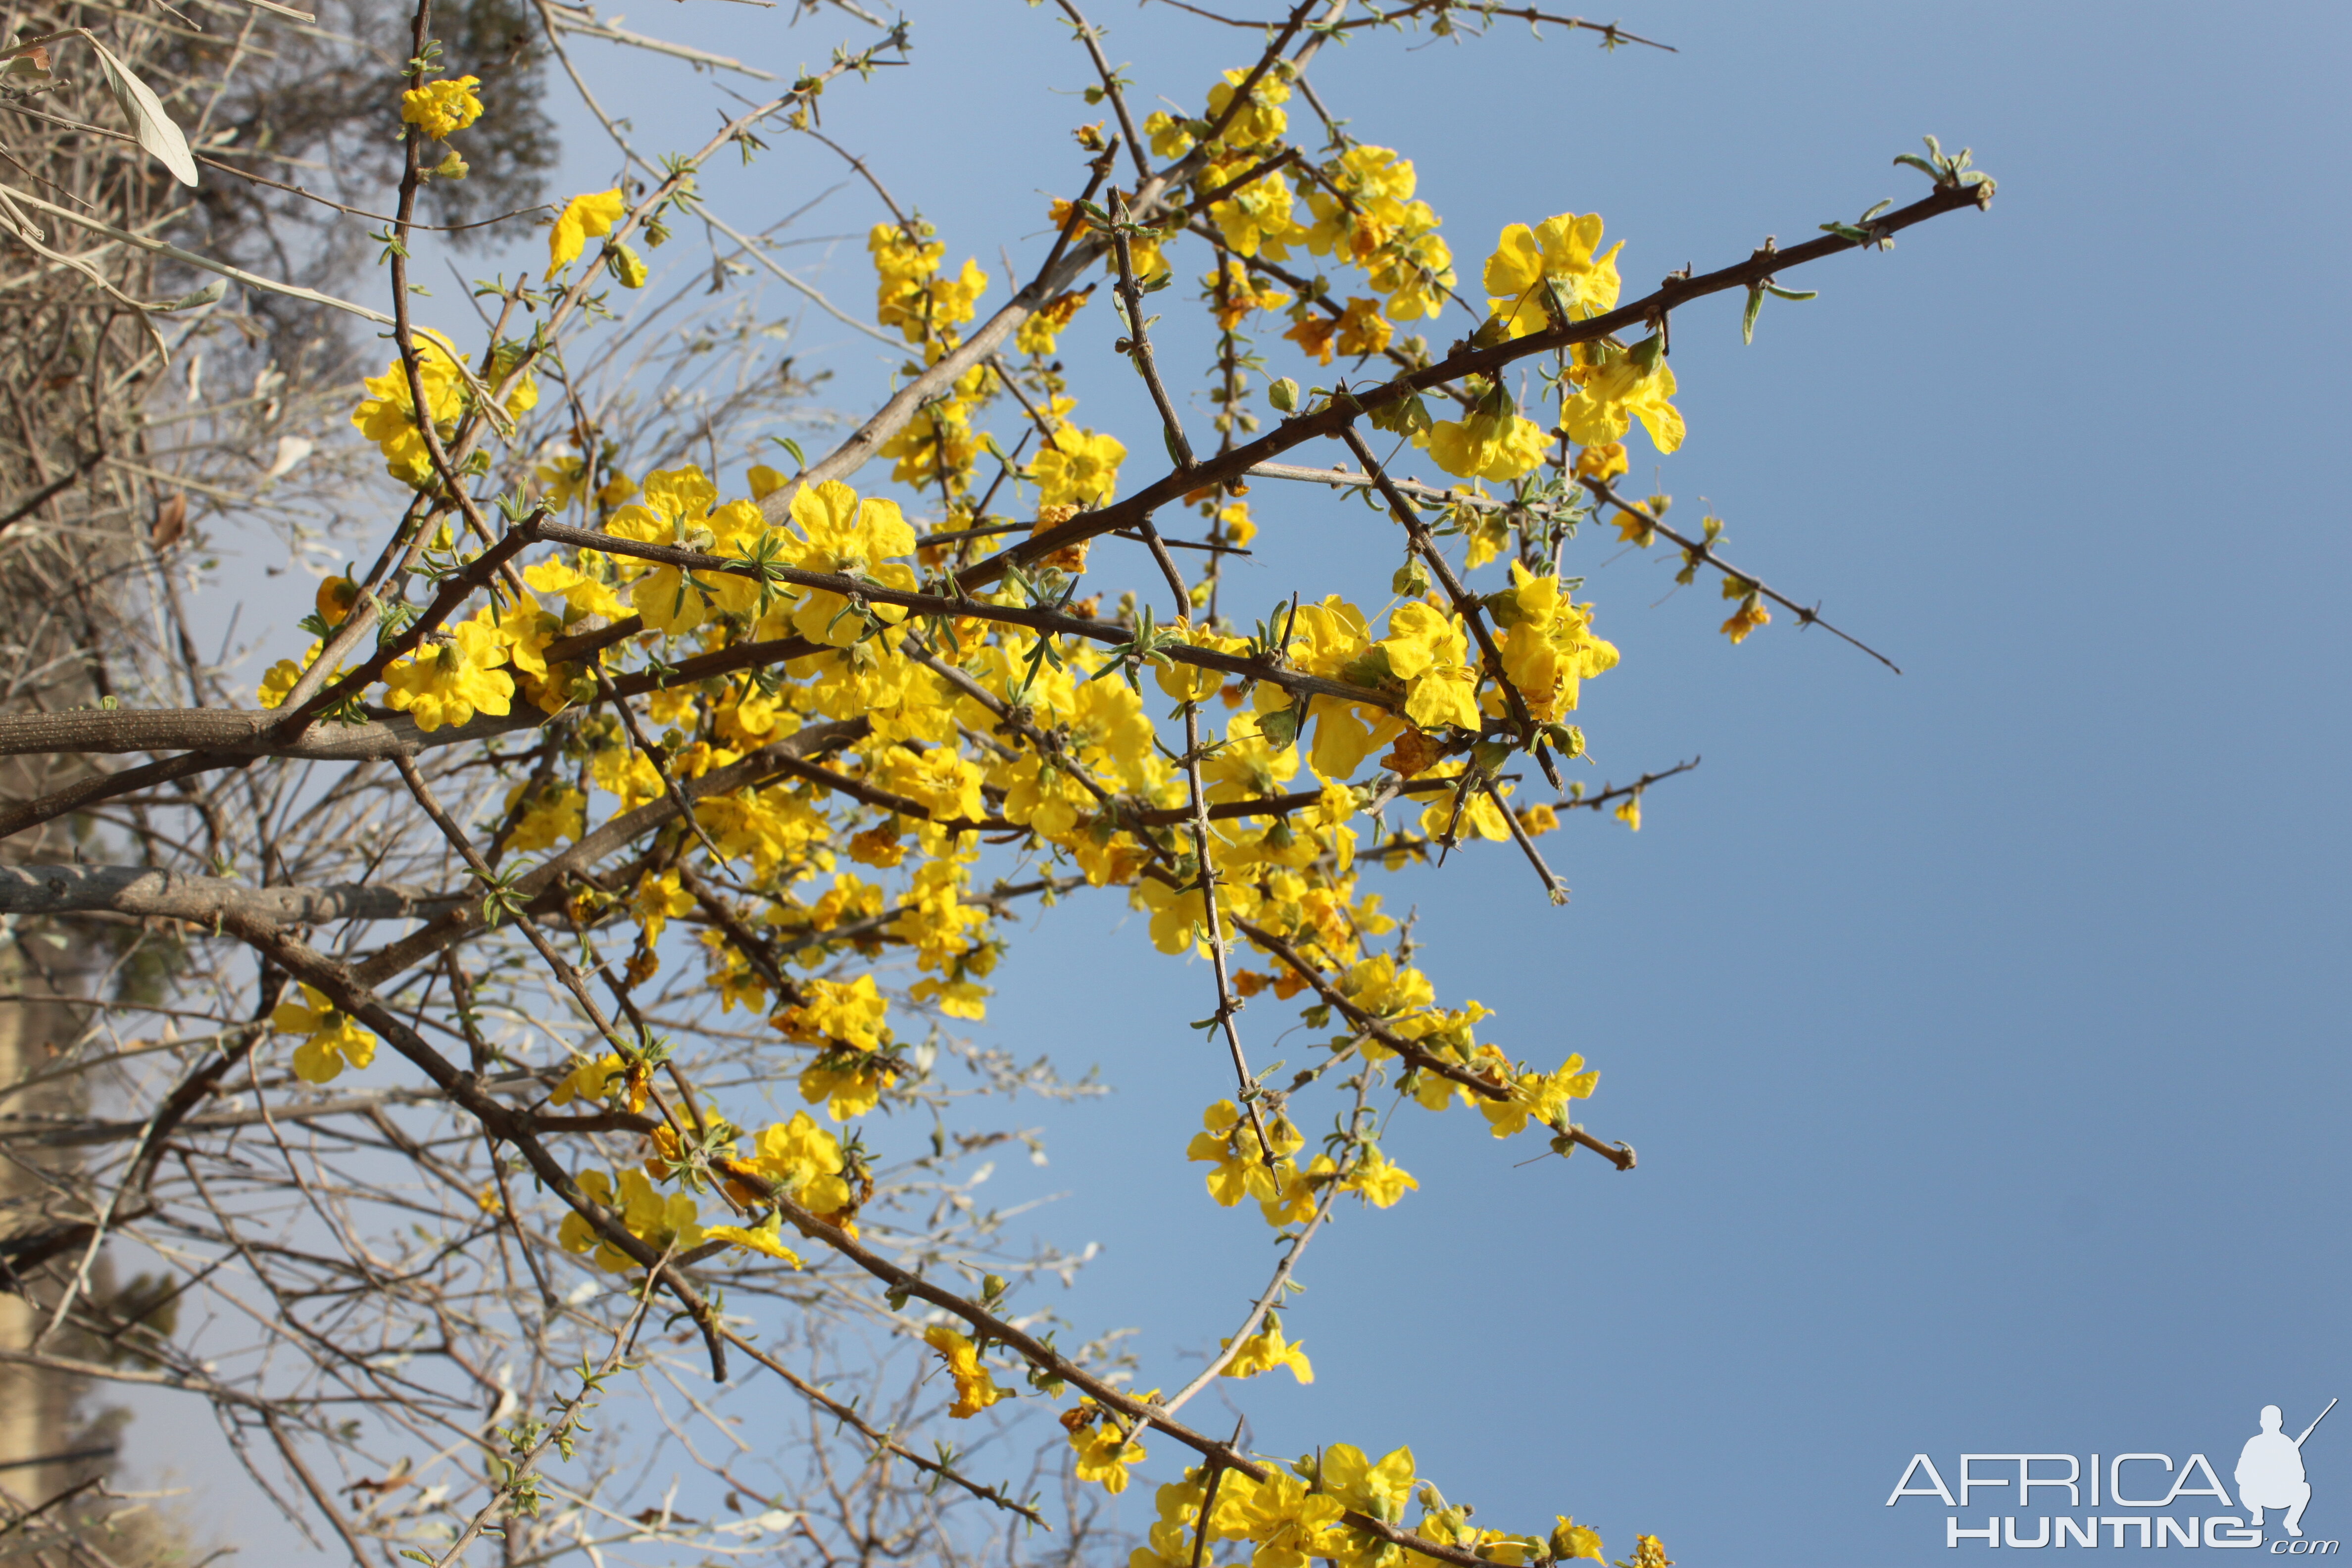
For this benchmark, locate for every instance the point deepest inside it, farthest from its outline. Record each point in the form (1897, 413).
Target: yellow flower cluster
(975, 1389)
(913, 296)
(1367, 218)
(387, 415)
(441, 109)
(661, 1222)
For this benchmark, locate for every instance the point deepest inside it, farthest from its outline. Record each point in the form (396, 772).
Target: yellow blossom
(1750, 614)
(806, 1162)
(1266, 1350)
(1236, 293)
(850, 1014)
(766, 1238)
(588, 1080)
(1493, 443)
(1361, 330)
(1289, 1523)
(1540, 1097)
(657, 899)
(336, 1040)
(1301, 1192)
(449, 684)
(1550, 267)
(1618, 387)
(555, 813)
(850, 1083)
(1080, 467)
(585, 216)
(1259, 121)
(1037, 333)
(844, 536)
(441, 108)
(1231, 1146)
(1377, 1181)
(975, 1389)
(1104, 1452)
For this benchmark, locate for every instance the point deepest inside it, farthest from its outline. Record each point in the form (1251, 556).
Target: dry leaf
(291, 450)
(157, 132)
(171, 520)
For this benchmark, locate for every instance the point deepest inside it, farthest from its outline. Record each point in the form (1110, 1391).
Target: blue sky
(1974, 1025)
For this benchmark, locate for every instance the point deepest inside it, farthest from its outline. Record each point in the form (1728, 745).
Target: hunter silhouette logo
(2270, 1471)
(2269, 1478)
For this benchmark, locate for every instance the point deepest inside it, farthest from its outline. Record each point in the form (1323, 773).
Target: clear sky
(1977, 1026)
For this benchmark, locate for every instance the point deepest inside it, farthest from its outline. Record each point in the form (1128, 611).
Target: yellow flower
(1037, 333)
(336, 1041)
(766, 1238)
(587, 587)
(911, 296)
(975, 1389)
(660, 1222)
(1378, 1490)
(1237, 294)
(1569, 1539)
(593, 214)
(280, 679)
(1603, 461)
(1377, 1181)
(555, 813)
(1361, 330)
(1746, 619)
(657, 899)
(1080, 468)
(589, 1079)
(1289, 1523)
(1548, 648)
(1260, 120)
(450, 683)
(1104, 1453)
(1554, 261)
(1265, 1350)
(1231, 1146)
(388, 416)
(440, 108)
(841, 535)
(1618, 387)
(1540, 1097)
(1169, 137)
(1301, 1191)
(277, 681)
(1426, 648)
(835, 1013)
(1313, 333)
(334, 599)
(1494, 443)
(1260, 218)
(680, 508)
(849, 1084)
(1630, 813)
(804, 1160)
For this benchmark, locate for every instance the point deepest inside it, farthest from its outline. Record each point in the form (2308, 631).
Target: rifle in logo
(2270, 1471)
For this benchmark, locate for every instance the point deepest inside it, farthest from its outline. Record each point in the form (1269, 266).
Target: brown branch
(1695, 551)
(146, 892)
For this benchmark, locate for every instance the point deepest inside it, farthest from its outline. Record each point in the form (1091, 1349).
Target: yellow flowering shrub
(742, 750)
